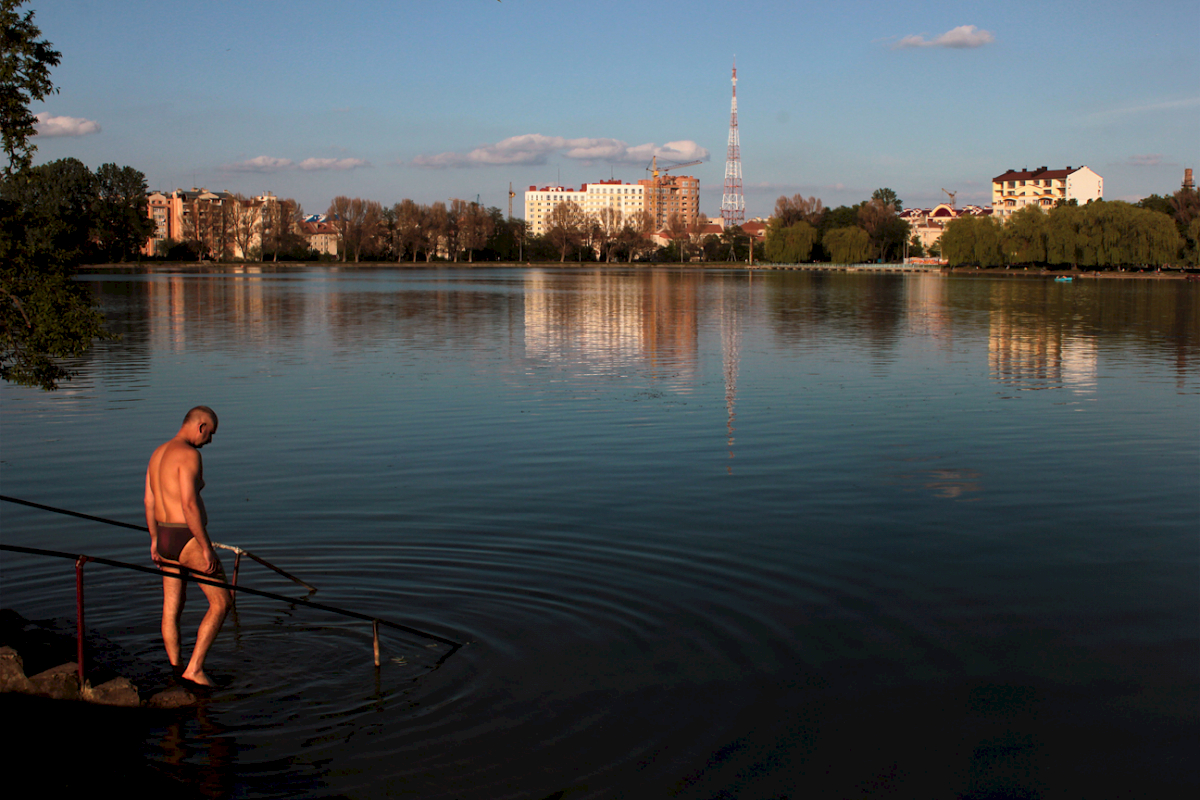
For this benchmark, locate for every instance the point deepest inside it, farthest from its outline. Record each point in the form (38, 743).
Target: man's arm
(190, 476)
(152, 520)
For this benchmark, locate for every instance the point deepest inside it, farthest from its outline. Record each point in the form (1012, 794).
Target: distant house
(1043, 187)
(928, 224)
(322, 236)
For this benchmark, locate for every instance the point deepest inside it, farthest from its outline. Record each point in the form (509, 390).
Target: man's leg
(219, 602)
(174, 596)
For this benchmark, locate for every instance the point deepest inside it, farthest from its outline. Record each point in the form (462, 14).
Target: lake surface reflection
(708, 534)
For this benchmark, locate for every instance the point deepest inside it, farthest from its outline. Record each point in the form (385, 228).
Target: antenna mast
(733, 202)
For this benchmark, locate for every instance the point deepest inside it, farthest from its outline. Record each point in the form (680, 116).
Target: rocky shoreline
(38, 658)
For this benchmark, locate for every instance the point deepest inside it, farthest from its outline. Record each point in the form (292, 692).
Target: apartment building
(629, 199)
(672, 194)
(223, 224)
(1043, 187)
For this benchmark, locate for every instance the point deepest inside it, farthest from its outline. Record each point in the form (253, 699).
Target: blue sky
(456, 98)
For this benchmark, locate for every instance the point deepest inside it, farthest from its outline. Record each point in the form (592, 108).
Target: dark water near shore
(708, 534)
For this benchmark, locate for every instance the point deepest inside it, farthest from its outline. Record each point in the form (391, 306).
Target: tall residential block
(1043, 187)
(628, 199)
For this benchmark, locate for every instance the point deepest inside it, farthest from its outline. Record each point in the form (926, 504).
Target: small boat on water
(1063, 279)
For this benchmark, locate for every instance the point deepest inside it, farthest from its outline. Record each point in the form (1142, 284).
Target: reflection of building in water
(925, 302)
(731, 344)
(183, 303)
(615, 322)
(1028, 353)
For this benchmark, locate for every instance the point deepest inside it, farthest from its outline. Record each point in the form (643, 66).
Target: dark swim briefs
(172, 537)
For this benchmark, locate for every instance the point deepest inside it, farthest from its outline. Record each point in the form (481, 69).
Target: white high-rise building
(629, 199)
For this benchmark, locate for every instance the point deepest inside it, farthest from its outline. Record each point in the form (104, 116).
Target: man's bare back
(178, 524)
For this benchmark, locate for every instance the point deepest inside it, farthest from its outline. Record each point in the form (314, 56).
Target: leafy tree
(54, 205)
(1192, 239)
(850, 245)
(888, 198)
(886, 231)
(1064, 242)
(840, 217)
(791, 244)
(45, 222)
(1158, 203)
(507, 241)
(1024, 237)
(915, 248)
(24, 78)
(1185, 203)
(634, 239)
(972, 240)
(120, 223)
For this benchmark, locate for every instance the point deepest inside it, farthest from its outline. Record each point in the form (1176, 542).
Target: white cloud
(50, 125)
(1148, 160)
(311, 164)
(964, 36)
(535, 148)
(261, 164)
(272, 164)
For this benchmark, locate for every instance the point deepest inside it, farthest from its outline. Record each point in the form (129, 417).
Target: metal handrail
(186, 574)
(237, 551)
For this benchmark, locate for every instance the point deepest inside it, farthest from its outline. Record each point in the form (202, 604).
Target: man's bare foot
(198, 677)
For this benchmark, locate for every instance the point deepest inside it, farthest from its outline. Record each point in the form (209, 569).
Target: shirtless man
(177, 521)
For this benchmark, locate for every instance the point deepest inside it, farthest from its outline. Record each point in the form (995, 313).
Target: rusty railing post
(237, 563)
(375, 636)
(79, 562)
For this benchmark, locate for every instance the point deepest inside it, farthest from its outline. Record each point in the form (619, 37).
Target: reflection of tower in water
(731, 340)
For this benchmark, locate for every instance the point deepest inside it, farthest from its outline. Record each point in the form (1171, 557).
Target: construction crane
(951, 195)
(658, 189)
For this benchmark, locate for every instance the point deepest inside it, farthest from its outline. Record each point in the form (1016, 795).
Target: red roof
(1041, 173)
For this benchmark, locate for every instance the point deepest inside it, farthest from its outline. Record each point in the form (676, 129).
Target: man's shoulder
(177, 452)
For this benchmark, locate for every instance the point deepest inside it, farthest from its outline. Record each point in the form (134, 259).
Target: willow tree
(789, 244)
(972, 240)
(1023, 240)
(849, 245)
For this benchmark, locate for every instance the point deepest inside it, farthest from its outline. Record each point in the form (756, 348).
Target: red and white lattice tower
(733, 202)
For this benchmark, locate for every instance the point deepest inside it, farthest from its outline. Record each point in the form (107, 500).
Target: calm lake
(704, 533)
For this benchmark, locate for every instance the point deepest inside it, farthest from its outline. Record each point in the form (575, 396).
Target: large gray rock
(175, 697)
(117, 692)
(12, 672)
(60, 683)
